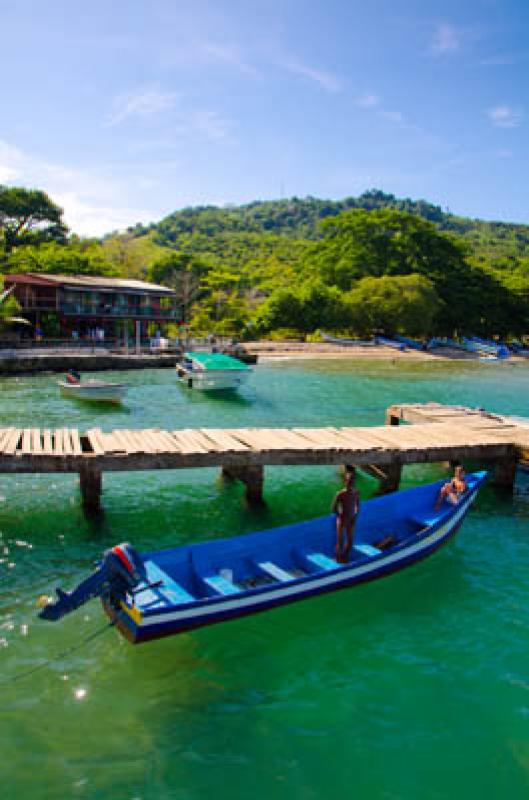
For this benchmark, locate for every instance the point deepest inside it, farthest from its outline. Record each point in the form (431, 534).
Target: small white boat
(211, 371)
(94, 390)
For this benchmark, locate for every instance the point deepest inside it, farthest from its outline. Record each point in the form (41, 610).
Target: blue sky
(126, 110)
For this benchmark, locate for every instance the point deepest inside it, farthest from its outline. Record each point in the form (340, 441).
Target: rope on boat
(59, 656)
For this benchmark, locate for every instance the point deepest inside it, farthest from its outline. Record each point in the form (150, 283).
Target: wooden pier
(437, 434)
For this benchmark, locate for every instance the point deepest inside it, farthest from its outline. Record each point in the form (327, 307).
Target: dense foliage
(353, 266)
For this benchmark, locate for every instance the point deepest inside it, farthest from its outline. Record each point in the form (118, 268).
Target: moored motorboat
(91, 389)
(165, 592)
(211, 371)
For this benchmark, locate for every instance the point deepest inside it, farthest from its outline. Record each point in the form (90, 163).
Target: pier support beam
(253, 478)
(391, 419)
(505, 472)
(388, 476)
(91, 483)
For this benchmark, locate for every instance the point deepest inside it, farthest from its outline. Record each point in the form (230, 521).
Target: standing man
(346, 506)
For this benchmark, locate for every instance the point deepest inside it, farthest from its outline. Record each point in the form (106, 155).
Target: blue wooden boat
(165, 592)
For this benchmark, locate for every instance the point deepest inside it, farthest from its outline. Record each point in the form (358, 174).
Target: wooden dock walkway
(437, 434)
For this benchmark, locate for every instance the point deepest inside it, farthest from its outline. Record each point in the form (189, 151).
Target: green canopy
(216, 361)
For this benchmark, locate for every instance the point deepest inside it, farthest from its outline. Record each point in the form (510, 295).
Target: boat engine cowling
(125, 566)
(121, 571)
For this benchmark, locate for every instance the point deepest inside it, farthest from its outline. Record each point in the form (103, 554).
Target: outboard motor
(121, 571)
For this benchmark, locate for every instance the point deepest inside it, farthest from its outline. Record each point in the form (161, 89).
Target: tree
(405, 304)
(305, 308)
(82, 257)
(183, 273)
(8, 306)
(29, 216)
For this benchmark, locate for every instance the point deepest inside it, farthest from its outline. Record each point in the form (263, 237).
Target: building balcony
(117, 311)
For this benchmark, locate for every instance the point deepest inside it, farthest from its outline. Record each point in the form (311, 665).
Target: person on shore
(346, 506)
(454, 489)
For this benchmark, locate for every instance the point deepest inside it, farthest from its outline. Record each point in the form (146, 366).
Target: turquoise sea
(413, 687)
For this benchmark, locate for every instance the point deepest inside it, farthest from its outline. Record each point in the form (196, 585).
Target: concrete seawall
(20, 364)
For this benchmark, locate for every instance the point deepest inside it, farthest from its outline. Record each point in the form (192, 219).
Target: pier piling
(91, 484)
(253, 478)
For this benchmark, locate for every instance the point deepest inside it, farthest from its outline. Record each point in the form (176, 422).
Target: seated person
(454, 489)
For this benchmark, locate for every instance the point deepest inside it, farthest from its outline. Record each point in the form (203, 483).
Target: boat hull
(96, 391)
(138, 628)
(212, 380)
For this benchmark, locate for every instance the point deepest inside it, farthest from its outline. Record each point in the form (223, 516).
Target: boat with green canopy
(210, 372)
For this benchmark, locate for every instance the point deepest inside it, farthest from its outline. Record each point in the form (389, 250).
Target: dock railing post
(91, 484)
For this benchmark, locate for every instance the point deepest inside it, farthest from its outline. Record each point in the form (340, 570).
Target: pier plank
(76, 442)
(120, 441)
(47, 444)
(112, 444)
(11, 444)
(57, 442)
(66, 443)
(4, 433)
(25, 448)
(36, 441)
(261, 440)
(95, 441)
(187, 444)
(224, 440)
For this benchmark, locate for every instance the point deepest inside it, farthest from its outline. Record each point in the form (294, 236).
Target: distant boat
(165, 592)
(211, 372)
(346, 342)
(476, 345)
(413, 344)
(92, 390)
(390, 343)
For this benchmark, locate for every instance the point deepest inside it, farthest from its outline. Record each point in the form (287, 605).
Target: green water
(416, 686)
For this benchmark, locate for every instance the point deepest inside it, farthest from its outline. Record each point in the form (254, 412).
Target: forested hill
(355, 265)
(498, 245)
(300, 219)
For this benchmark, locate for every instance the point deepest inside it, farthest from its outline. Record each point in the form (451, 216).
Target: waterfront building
(92, 307)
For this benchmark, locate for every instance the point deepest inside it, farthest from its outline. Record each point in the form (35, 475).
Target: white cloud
(504, 116)
(141, 102)
(210, 125)
(227, 54)
(446, 39)
(326, 80)
(88, 219)
(12, 162)
(93, 203)
(367, 101)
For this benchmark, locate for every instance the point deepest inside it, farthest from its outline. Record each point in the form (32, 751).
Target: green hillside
(353, 265)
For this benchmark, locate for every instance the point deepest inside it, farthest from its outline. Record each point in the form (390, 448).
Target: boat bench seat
(169, 593)
(425, 520)
(221, 585)
(274, 571)
(322, 561)
(367, 549)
